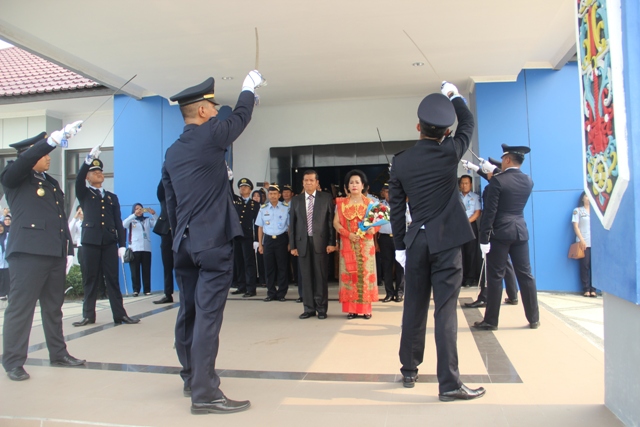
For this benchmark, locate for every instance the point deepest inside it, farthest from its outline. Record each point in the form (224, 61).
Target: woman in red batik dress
(358, 281)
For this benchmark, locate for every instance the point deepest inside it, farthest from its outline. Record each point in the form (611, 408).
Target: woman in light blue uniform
(140, 227)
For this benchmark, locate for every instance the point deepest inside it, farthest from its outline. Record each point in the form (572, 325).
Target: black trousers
(585, 271)
(33, 278)
(315, 285)
(496, 265)
(276, 263)
(510, 283)
(470, 272)
(166, 241)
(99, 261)
(204, 279)
(262, 275)
(141, 261)
(245, 263)
(5, 281)
(441, 272)
(388, 261)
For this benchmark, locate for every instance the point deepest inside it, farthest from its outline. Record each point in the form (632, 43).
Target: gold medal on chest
(267, 222)
(40, 192)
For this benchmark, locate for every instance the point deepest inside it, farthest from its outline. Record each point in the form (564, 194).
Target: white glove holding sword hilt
(469, 166)
(485, 248)
(401, 257)
(253, 81)
(121, 252)
(60, 137)
(487, 167)
(69, 263)
(450, 91)
(93, 154)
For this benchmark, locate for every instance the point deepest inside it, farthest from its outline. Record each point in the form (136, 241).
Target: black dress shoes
(164, 300)
(511, 301)
(322, 316)
(249, 295)
(237, 292)
(18, 374)
(127, 321)
(267, 299)
(220, 406)
(67, 360)
(84, 322)
(299, 300)
(388, 298)
(283, 299)
(534, 325)
(409, 381)
(485, 326)
(462, 393)
(186, 391)
(475, 304)
(306, 315)
(400, 298)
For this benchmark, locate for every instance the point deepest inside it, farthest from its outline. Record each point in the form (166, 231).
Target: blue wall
(142, 134)
(615, 258)
(541, 110)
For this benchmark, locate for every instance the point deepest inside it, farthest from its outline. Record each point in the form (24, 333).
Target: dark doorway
(332, 177)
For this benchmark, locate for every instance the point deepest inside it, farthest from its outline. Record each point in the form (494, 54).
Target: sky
(4, 45)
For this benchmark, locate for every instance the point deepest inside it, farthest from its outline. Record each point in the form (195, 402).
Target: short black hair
(465, 176)
(518, 159)
(432, 132)
(311, 172)
(356, 172)
(581, 200)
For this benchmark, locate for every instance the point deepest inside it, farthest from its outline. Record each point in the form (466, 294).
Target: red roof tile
(22, 73)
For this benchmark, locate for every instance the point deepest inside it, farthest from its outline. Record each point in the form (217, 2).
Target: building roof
(24, 74)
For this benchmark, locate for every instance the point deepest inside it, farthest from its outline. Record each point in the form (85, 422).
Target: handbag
(128, 253)
(575, 251)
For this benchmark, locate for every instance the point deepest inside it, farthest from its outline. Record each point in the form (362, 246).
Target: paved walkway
(314, 372)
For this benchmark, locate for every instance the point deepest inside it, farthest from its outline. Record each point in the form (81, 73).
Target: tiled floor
(312, 372)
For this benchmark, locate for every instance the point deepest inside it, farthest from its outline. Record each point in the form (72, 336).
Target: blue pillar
(540, 110)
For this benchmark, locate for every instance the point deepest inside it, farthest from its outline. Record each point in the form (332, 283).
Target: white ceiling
(309, 50)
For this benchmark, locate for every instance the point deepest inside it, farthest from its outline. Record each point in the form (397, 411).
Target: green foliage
(74, 280)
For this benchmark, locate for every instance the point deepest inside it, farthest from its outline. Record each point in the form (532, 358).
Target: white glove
(69, 263)
(93, 154)
(229, 172)
(401, 257)
(60, 137)
(488, 167)
(253, 80)
(469, 166)
(121, 252)
(449, 90)
(256, 245)
(485, 248)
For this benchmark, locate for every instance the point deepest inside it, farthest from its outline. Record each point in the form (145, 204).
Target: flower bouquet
(376, 215)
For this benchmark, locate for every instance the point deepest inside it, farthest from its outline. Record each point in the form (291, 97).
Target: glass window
(73, 161)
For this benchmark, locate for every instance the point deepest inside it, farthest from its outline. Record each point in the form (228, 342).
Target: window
(73, 161)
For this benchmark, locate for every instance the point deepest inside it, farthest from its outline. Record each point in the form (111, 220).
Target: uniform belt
(274, 236)
(386, 234)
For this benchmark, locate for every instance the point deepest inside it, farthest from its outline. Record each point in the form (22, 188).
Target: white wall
(321, 123)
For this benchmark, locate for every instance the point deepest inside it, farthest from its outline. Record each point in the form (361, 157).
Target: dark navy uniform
(102, 234)
(274, 223)
(37, 254)
(504, 226)
(391, 269)
(163, 229)
(427, 174)
(244, 252)
(204, 223)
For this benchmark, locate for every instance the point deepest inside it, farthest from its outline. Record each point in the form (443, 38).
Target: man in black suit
(103, 241)
(245, 246)
(312, 242)
(427, 174)
(163, 229)
(204, 223)
(504, 233)
(509, 276)
(38, 250)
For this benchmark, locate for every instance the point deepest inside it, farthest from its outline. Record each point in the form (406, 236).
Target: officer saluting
(204, 223)
(245, 246)
(103, 241)
(38, 250)
(427, 175)
(504, 233)
(273, 240)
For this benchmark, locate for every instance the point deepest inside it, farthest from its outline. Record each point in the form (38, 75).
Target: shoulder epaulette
(263, 206)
